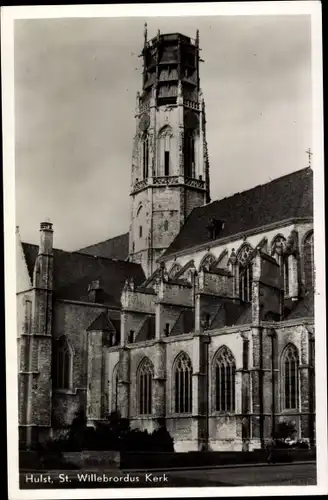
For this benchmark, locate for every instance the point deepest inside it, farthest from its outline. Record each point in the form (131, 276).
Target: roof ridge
(76, 252)
(103, 241)
(276, 179)
(101, 257)
(31, 244)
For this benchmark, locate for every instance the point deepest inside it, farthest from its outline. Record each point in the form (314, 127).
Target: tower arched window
(63, 364)
(145, 156)
(164, 151)
(183, 383)
(145, 382)
(245, 273)
(115, 381)
(289, 373)
(308, 253)
(189, 153)
(225, 367)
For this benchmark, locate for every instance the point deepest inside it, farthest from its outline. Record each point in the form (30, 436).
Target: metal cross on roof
(309, 152)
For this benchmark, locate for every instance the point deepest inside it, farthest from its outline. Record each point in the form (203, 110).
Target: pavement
(302, 473)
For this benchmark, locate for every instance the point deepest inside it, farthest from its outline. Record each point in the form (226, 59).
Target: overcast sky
(75, 89)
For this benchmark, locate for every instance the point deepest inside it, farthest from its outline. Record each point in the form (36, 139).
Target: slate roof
(287, 197)
(113, 248)
(231, 313)
(184, 324)
(147, 329)
(304, 308)
(102, 323)
(74, 272)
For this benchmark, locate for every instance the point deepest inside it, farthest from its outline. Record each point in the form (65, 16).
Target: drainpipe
(272, 335)
(207, 404)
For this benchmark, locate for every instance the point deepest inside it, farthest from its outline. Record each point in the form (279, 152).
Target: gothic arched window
(308, 252)
(183, 384)
(145, 156)
(289, 372)
(278, 246)
(174, 270)
(115, 380)
(164, 151)
(207, 262)
(145, 382)
(245, 273)
(63, 364)
(189, 153)
(225, 367)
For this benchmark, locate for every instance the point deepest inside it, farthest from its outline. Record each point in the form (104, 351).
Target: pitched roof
(304, 308)
(113, 248)
(284, 198)
(147, 329)
(74, 272)
(231, 313)
(102, 323)
(184, 324)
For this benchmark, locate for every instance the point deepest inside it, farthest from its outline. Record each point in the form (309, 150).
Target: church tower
(170, 168)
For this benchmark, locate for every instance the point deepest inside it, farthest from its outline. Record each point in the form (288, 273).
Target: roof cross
(309, 152)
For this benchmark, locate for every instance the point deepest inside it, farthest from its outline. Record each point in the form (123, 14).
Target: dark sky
(75, 89)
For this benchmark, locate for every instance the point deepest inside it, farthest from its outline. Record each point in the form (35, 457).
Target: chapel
(201, 314)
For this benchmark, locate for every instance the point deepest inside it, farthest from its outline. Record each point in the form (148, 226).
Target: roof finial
(145, 33)
(309, 152)
(197, 38)
(158, 33)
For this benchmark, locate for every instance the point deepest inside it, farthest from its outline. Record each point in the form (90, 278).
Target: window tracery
(145, 382)
(225, 367)
(289, 372)
(183, 384)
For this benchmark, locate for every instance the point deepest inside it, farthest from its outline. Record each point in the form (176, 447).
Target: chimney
(46, 238)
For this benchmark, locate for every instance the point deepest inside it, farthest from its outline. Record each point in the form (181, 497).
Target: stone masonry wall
(73, 319)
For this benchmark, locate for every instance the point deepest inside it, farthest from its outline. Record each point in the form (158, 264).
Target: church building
(202, 314)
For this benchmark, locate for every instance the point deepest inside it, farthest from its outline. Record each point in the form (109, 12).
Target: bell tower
(170, 168)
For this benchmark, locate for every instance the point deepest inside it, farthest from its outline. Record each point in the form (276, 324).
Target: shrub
(286, 430)
(112, 434)
(281, 444)
(162, 440)
(301, 445)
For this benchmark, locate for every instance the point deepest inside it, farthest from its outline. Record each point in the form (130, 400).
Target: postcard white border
(8, 15)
